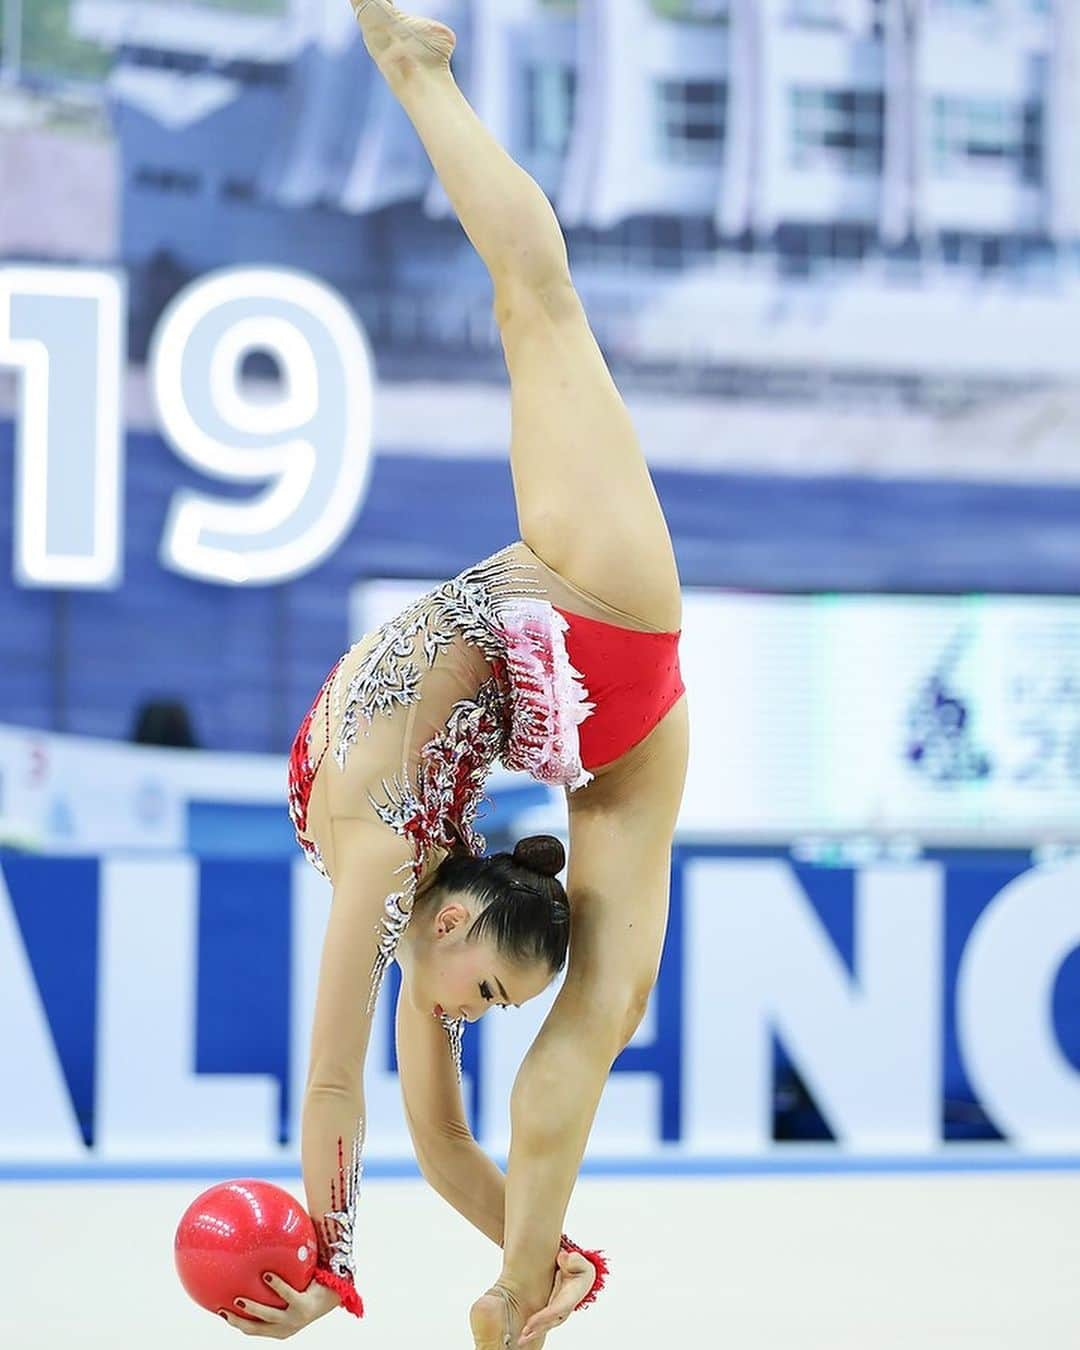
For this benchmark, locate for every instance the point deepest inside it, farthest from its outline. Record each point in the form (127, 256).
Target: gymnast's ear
(451, 915)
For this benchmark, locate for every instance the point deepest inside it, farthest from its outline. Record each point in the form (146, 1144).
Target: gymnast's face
(443, 972)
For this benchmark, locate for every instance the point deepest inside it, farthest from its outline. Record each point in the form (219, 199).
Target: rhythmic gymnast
(559, 656)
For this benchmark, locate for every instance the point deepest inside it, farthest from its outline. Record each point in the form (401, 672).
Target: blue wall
(248, 662)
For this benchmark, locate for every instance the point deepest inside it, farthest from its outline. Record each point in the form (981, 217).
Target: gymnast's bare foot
(397, 41)
(496, 1322)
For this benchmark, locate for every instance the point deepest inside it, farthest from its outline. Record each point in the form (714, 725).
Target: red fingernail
(240, 1303)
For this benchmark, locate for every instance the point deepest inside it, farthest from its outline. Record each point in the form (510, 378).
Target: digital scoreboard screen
(879, 713)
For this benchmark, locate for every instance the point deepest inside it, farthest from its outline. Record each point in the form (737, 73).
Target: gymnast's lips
(437, 1011)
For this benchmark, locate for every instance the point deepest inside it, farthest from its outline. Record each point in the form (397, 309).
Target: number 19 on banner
(306, 452)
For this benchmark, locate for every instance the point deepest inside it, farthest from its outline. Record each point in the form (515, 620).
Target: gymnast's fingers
(247, 1327)
(554, 1315)
(255, 1329)
(576, 1276)
(547, 1319)
(262, 1311)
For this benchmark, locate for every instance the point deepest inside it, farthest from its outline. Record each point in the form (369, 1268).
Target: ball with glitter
(233, 1232)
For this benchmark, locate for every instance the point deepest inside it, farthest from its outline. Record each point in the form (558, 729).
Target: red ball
(232, 1233)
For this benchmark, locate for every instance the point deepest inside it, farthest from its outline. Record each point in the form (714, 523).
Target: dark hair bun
(541, 853)
(523, 907)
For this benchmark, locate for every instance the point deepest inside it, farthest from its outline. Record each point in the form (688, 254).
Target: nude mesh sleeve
(367, 863)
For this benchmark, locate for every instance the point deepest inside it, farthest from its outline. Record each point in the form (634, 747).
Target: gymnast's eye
(485, 993)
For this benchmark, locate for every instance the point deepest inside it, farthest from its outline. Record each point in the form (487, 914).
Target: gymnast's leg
(573, 445)
(503, 211)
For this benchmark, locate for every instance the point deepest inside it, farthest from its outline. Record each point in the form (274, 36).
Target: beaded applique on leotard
(336, 1230)
(527, 714)
(495, 606)
(442, 808)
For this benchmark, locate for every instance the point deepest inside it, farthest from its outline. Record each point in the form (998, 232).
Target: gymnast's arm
(454, 1164)
(332, 1121)
(451, 1161)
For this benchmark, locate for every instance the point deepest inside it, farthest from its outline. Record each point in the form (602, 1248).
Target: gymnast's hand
(573, 1280)
(305, 1306)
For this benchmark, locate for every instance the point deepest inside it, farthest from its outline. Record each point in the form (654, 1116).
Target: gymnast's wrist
(347, 1294)
(599, 1263)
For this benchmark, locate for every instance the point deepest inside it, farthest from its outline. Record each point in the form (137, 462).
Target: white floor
(825, 1263)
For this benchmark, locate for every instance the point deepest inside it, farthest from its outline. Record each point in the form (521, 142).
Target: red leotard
(632, 678)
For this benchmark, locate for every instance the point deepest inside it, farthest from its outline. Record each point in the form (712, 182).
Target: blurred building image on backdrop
(695, 152)
(831, 252)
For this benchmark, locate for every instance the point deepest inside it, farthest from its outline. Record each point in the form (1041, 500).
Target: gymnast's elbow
(441, 1158)
(329, 1085)
(337, 1068)
(434, 1139)
(431, 1167)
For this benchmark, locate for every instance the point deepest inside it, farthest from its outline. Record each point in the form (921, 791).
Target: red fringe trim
(600, 1265)
(345, 1290)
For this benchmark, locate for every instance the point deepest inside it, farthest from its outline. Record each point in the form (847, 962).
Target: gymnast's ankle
(528, 1296)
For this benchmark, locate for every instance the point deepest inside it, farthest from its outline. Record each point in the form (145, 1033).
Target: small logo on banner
(941, 739)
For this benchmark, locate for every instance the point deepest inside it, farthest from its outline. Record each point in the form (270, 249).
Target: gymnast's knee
(616, 1009)
(636, 1005)
(523, 301)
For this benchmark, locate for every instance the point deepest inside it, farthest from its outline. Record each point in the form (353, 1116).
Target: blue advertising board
(156, 1013)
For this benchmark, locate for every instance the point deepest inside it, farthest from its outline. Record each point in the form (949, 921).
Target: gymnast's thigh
(586, 502)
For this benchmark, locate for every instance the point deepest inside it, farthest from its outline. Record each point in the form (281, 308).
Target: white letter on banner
(63, 328)
(150, 1101)
(37, 1119)
(1003, 998)
(313, 443)
(760, 961)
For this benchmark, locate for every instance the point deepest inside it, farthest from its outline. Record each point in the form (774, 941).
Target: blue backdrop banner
(156, 1013)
